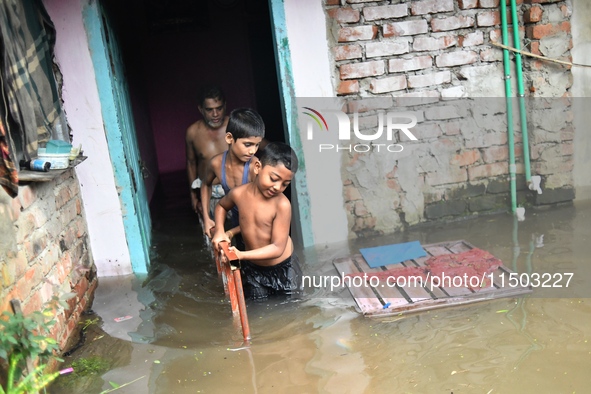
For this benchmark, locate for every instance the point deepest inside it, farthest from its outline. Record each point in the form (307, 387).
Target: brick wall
(436, 58)
(45, 250)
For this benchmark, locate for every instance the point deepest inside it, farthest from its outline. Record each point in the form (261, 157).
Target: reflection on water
(183, 339)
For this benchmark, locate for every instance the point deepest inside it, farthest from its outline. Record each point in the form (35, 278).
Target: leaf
(114, 385)
(503, 311)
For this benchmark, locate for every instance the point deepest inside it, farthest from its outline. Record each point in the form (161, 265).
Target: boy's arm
(279, 236)
(206, 183)
(220, 212)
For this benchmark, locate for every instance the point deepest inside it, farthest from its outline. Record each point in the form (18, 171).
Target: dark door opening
(170, 49)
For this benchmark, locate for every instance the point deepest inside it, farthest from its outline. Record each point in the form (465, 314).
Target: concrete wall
(582, 96)
(442, 52)
(83, 112)
(46, 250)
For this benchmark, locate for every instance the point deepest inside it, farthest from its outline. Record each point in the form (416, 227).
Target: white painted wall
(581, 31)
(311, 67)
(83, 111)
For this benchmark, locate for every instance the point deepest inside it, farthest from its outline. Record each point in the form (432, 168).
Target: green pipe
(510, 137)
(521, 92)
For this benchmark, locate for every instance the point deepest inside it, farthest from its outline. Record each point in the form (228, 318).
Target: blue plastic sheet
(392, 254)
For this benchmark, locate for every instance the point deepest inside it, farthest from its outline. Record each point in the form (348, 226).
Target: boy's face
(243, 148)
(213, 112)
(272, 180)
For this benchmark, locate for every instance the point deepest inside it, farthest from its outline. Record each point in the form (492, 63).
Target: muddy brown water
(181, 339)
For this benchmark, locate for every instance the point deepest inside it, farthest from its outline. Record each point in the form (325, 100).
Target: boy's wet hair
(211, 92)
(279, 153)
(245, 123)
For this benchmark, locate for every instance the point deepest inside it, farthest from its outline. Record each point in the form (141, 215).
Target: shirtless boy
(205, 138)
(244, 133)
(268, 263)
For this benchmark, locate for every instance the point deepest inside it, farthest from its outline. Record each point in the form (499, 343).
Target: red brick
(348, 87)
(495, 153)
(471, 39)
(496, 36)
(567, 149)
(345, 52)
(386, 48)
(359, 1)
(26, 196)
(431, 6)
(415, 63)
(407, 28)
(465, 158)
(534, 47)
(517, 2)
(332, 2)
(451, 23)
(533, 15)
(347, 34)
(385, 12)
(344, 14)
(458, 58)
(488, 3)
(488, 170)
(540, 31)
(389, 84)
(432, 43)
(541, 1)
(468, 4)
(419, 81)
(361, 70)
(489, 18)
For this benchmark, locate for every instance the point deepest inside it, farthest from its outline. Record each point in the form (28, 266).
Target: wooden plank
(421, 299)
(364, 296)
(390, 295)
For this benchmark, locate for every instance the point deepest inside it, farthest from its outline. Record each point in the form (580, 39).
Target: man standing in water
(205, 139)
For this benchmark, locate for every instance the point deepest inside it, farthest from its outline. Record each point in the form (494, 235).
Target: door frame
(121, 140)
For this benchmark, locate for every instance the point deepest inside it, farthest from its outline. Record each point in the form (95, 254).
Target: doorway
(172, 48)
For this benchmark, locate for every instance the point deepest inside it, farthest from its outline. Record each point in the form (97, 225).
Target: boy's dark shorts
(284, 278)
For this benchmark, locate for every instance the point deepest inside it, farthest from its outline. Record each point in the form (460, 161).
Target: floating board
(421, 283)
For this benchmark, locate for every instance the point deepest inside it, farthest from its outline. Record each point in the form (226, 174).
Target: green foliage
(90, 366)
(23, 338)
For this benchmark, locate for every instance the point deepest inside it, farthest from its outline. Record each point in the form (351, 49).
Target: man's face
(213, 112)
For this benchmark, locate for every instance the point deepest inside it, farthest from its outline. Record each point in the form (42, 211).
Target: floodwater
(181, 338)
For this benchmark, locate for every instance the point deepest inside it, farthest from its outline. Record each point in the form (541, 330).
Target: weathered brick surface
(456, 58)
(385, 12)
(471, 39)
(451, 23)
(386, 48)
(49, 236)
(438, 78)
(348, 87)
(362, 70)
(358, 33)
(540, 31)
(431, 6)
(429, 55)
(344, 15)
(347, 52)
(415, 63)
(407, 28)
(433, 43)
(467, 4)
(389, 84)
(533, 15)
